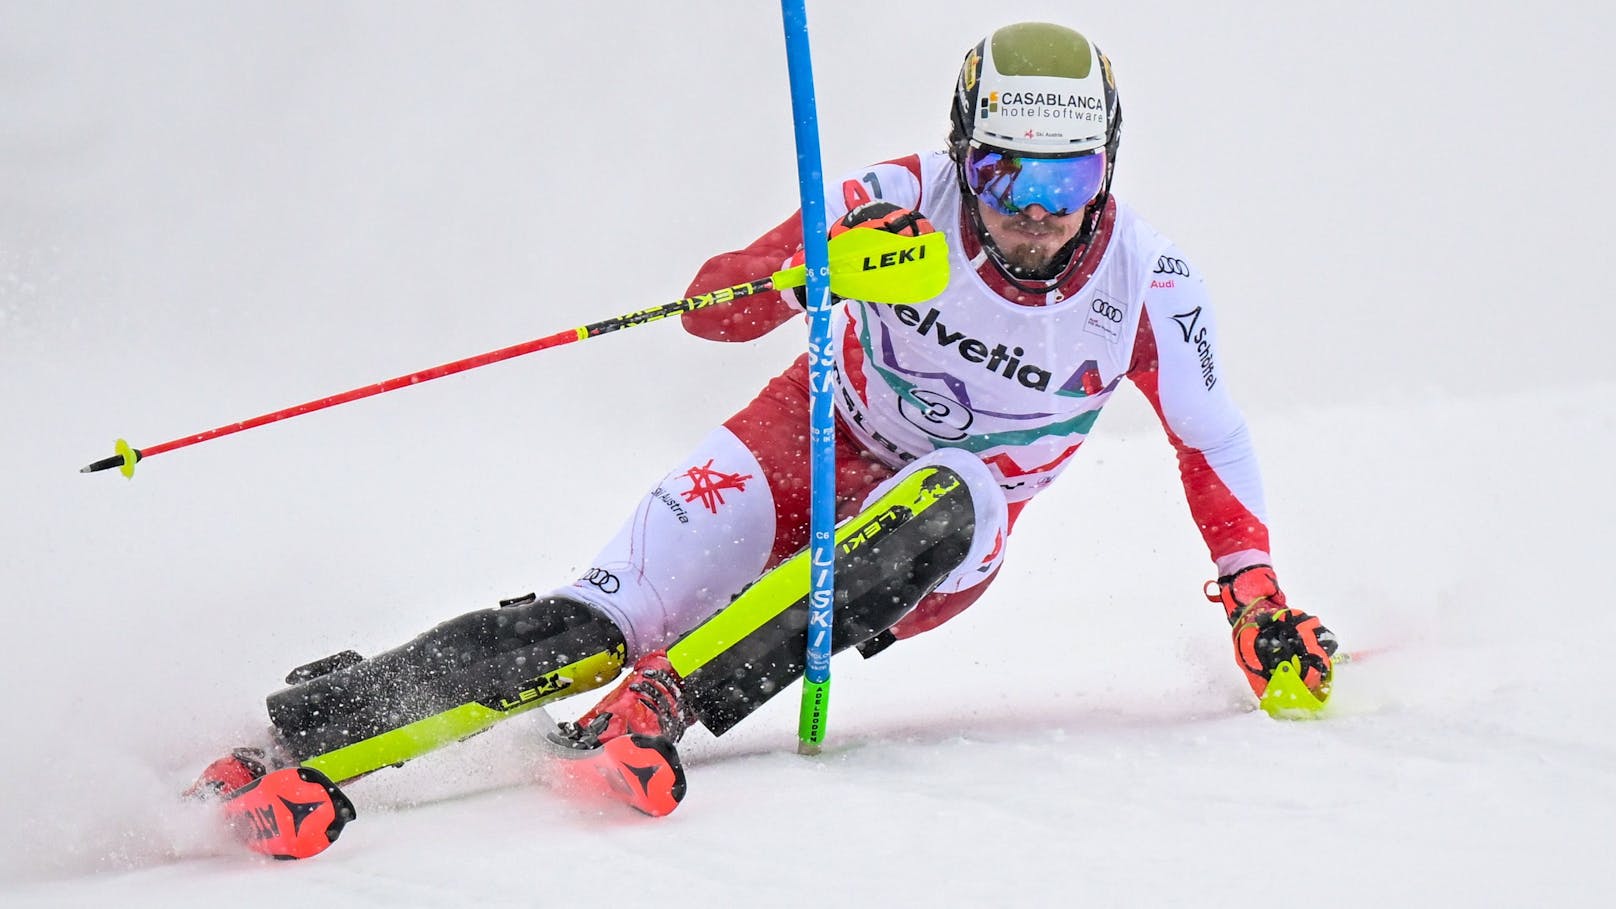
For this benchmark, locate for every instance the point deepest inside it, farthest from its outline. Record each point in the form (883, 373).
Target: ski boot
(624, 746)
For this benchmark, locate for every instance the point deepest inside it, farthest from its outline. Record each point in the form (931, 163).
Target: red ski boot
(649, 701)
(623, 748)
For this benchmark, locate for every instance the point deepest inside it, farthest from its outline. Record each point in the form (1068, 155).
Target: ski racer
(977, 399)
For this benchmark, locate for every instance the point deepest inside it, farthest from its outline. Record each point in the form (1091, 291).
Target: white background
(209, 211)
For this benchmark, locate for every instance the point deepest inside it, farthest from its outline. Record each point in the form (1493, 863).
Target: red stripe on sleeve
(1226, 525)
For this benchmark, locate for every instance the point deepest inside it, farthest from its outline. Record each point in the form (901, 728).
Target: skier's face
(1030, 238)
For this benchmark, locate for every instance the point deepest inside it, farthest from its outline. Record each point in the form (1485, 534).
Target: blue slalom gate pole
(821, 429)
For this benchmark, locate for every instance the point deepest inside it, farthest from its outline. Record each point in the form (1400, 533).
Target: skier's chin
(1030, 258)
(1030, 246)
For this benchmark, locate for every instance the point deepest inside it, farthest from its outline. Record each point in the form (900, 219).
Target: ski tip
(641, 771)
(649, 774)
(293, 813)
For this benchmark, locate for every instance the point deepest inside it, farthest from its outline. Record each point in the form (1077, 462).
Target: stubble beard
(1033, 250)
(1033, 256)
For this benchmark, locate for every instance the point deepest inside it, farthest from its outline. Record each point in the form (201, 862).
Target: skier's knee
(992, 515)
(904, 541)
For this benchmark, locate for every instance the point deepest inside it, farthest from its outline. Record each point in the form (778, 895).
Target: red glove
(878, 215)
(1268, 633)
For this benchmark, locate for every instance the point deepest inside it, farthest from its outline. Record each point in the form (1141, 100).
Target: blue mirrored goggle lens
(1011, 184)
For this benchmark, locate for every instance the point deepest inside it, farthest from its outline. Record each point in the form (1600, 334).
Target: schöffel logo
(1167, 265)
(1186, 322)
(1195, 333)
(996, 359)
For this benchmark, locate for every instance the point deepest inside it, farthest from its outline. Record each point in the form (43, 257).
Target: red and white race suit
(1014, 379)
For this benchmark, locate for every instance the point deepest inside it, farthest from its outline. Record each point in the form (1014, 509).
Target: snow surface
(209, 211)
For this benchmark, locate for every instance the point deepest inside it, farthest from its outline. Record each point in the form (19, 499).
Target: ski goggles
(1010, 183)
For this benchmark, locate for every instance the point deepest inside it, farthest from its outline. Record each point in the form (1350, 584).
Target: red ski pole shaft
(126, 457)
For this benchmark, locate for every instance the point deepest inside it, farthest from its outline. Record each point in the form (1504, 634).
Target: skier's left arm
(1177, 365)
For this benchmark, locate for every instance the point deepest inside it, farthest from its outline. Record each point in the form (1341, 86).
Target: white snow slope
(210, 211)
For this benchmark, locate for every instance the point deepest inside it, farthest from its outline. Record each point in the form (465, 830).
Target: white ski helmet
(1036, 120)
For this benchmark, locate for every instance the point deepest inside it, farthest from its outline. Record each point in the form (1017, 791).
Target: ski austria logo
(1194, 333)
(708, 485)
(936, 414)
(1105, 318)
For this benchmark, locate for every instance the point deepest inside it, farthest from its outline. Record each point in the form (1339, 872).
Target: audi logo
(1106, 310)
(1166, 265)
(605, 580)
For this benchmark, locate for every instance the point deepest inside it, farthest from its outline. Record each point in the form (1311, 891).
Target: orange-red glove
(1267, 632)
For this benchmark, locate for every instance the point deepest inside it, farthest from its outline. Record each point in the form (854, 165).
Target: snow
(210, 212)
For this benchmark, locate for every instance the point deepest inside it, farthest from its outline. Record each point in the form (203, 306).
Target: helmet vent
(1041, 49)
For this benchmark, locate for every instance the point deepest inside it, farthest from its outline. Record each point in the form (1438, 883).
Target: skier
(959, 410)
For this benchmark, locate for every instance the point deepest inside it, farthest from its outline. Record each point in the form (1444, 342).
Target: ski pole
(868, 266)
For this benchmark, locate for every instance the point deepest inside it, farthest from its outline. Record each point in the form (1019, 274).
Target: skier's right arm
(748, 317)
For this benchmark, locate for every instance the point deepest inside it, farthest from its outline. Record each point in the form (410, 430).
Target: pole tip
(124, 460)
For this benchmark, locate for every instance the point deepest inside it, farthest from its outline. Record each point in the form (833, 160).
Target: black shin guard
(453, 681)
(888, 557)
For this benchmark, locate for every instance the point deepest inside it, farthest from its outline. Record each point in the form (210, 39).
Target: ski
(346, 716)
